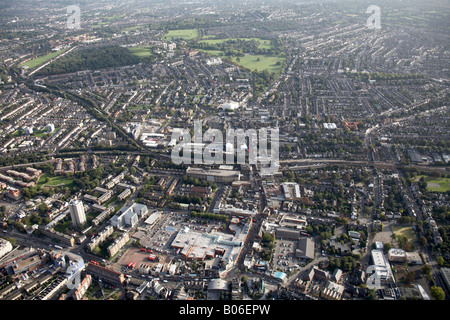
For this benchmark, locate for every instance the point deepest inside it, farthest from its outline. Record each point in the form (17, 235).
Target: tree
(43, 208)
(423, 241)
(437, 293)
(371, 294)
(409, 277)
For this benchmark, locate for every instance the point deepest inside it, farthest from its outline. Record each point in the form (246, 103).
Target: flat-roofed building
(129, 216)
(27, 264)
(397, 255)
(381, 267)
(216, 175)
(445, 274)
(5, 247)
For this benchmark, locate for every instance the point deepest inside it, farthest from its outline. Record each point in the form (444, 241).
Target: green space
(260, 62)
(141, 52)
(436, 184)
(32, 64)
(254, 54)
(257, 62)
(185, 34)
(49, 181)
(100, 24)
(91, 59)
(405, 231)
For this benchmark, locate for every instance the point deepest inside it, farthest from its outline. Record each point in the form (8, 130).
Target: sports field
(141, 52)
(260, 62)
(186, 34)
(436, 184)
(41, 60)
(257, 62)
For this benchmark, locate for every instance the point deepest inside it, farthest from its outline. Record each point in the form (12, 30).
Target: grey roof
(218, 284)
(305, 248)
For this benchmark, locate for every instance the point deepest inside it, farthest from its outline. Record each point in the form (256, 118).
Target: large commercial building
(194, 245)
(216, 175)
(5, 247)
(77, 213)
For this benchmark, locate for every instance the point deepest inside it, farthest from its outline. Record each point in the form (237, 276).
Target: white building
(129, 216)
(77, 213)
(50, 127)
(229, 105)
(380, 269)
(5, 247)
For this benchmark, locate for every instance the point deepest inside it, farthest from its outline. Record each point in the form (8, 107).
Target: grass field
(436, 184)
(41, 60)
(257, 62)
(252, 63)
(141, 52)
(406, 231)
(260, 62)
(54, 181)
(186, 34)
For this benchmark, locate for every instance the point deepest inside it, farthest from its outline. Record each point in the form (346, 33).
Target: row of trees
(211, 216)
(238, 47)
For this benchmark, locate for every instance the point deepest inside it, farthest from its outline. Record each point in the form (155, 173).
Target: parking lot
(283, 255)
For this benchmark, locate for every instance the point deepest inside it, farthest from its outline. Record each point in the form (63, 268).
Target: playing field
(141, 52)
(260, 62)
(41, 60)
(54, 181)
(186, 34)
(436, 184)
(406, 231)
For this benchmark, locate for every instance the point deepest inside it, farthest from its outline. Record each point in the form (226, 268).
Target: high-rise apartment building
(77, 213)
